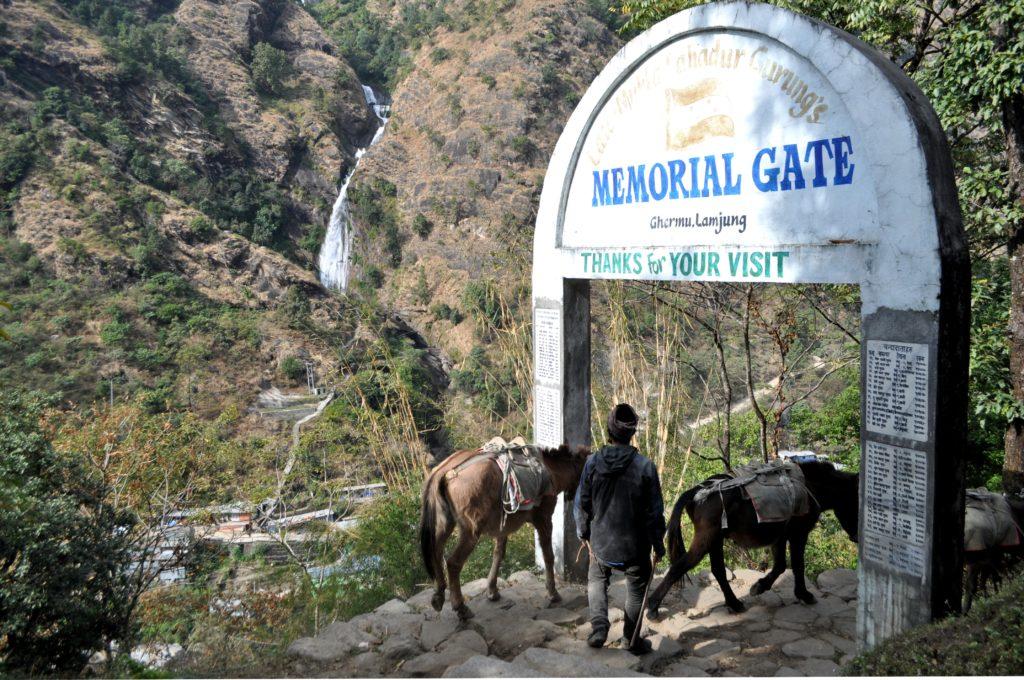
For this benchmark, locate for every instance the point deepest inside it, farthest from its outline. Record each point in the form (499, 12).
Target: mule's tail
(433, 508)
(676, 545)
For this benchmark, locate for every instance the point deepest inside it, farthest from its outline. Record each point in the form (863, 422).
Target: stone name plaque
(895, 521)
(548, 416)
(897, 389)
(548, 325)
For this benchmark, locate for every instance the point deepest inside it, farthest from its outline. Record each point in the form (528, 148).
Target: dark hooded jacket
(618, 506)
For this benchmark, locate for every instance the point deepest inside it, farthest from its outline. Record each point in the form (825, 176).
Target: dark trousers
(598, 577)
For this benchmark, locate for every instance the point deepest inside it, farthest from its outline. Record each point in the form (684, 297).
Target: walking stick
(643, 604)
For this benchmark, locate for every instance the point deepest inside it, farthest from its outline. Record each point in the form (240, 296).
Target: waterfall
(336, 251)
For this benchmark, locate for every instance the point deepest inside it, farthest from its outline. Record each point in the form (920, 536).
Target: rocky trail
(519, 636)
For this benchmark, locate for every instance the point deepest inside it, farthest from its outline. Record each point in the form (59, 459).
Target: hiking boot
(642, 646)
(597, 638)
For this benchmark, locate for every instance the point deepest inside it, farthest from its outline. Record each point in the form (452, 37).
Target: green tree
(267, 224)
(269, 68)
(422, 226)
(17, 153)
(968, 58)
(64, 551)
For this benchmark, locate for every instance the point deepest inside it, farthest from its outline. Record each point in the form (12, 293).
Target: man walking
(619, 510)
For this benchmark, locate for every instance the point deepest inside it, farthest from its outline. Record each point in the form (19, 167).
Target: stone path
(519, 636)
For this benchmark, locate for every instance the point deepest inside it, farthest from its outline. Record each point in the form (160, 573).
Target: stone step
(521, 635)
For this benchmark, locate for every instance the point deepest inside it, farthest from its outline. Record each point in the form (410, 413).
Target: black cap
(622, 422)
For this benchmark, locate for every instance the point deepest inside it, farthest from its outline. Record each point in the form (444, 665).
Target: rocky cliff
(136, 145)
(473, 125)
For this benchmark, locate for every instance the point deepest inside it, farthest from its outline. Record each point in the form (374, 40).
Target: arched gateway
(743, 142)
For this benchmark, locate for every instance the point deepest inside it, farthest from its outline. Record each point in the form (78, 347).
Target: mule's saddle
(776, 490)
(524, 478)
(989, 522)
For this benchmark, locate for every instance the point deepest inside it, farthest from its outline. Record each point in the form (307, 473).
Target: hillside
(475, 120)
(164, 206)
(157, 208)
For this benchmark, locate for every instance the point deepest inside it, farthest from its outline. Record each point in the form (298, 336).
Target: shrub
(523, 147)
(116, 333)
(442, 310)
(421, 292)
(201, 229)
(422, 226)
(455, 106)
(439, 54)
(267, 225)
(17, 153)
(294, 308)
(483, 301)
(149, 252)
(488, 80)
(493, 388)
(293, 368)
(373, 278)
(269, 69)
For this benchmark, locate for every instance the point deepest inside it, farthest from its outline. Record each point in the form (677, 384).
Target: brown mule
(471, 501)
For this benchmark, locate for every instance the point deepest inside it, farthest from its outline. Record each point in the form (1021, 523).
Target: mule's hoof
(554, 599)
(806, 598)
(464, 612)
(437, 601)
(758, 588)
(737, 607)
(653, 614)
(494, 597)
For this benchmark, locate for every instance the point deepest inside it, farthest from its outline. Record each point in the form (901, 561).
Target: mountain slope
(448, 195)
(141, 161)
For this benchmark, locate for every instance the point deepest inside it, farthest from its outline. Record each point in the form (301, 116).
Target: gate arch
(744, 142)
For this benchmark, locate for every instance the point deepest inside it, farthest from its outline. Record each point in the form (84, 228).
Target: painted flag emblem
(695, 113)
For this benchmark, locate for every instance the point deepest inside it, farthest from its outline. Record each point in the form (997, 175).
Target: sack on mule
(988, 522)
(525, 479)
(776, 490)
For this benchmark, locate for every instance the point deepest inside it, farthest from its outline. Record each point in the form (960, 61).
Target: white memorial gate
(740, 142)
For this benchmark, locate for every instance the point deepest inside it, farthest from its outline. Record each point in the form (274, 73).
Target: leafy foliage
(17, 152)
(373, 44)
(375, 206)
(422, 226)
(992, 405)
(494, 389)
(269, 68)
(64, 551)
(834, 427)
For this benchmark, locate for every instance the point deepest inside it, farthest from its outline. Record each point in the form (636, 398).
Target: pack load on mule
(776, 490)
(524, 479)
(725, 507)
(989, 522)
(492, 491)
(992, 531)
